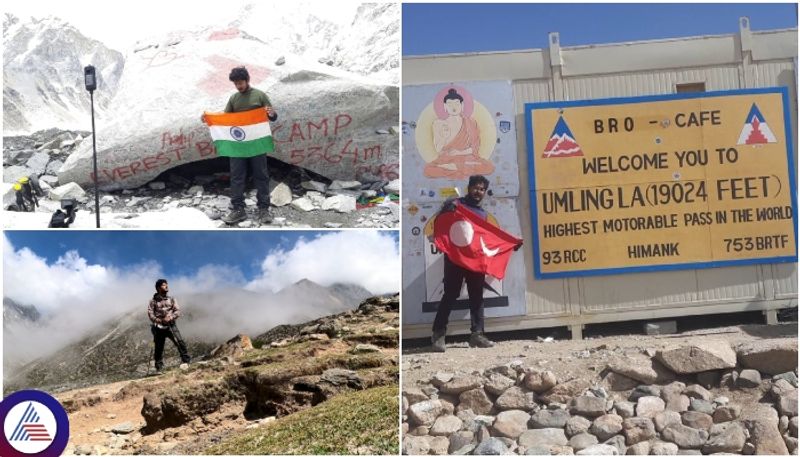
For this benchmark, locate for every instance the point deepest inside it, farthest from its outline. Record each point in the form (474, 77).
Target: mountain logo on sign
(562, 143)
(756, 130)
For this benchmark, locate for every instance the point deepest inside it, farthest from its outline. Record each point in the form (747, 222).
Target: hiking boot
(235, 216)
(478, 340)
(264, 216)
(437, 342)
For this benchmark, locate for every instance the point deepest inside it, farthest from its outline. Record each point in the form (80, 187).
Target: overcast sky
(120, 24)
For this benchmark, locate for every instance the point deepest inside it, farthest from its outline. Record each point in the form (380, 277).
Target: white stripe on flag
(251, 132)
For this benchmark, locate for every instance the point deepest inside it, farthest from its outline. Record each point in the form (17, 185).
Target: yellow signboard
(663, 182)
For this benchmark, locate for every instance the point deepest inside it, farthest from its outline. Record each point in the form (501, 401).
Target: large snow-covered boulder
(329, 119)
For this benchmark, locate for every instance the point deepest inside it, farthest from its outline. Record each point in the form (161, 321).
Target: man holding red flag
(473, 247)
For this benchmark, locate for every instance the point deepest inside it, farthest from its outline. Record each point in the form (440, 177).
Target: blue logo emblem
(33, 423)
(505, 126)
(238, 133)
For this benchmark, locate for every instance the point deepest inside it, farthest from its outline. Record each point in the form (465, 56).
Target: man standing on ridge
(245, 99)
(163, 311)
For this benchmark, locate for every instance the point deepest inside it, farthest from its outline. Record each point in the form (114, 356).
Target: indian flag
(244, 134)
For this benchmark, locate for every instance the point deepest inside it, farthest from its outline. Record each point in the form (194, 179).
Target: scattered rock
(599, 449)
(340, 203)
(713, 355)
(664, 419)
(642, 448)
(637, 429)
(625, 409)
(511, 424)
(392, 187)
(123, 428)
(684, 437)
(787, 404)
(438, 444)
(540, 381)
(606, 426)
(547, 418)
(543, 436)
(662, 448)
(303, 204)
(576, 425)
(588, 406)
(446, 425)
(694, 419)
(637, 368)
(727, 413)
(788, 376)
(416, 445)
(476, 400)
(516, 398)
(582, 441)
(644, 391)
(425, 412)
(461, 384)
(497, 384)
(339, 185)
(618, 382)
(564, 392)
(649, 406)
(697, 391)
(69, 190)
(748, 379)
(773, 356)
(702, 406)
(762, 422)
(280, 195)
(490, 446)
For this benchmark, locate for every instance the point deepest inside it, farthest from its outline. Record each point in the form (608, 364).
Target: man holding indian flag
(243, 134)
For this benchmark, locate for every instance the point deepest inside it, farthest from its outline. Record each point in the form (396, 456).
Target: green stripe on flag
(252, 148)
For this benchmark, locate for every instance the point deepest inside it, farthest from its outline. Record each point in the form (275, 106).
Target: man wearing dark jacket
(163, 311)
(245, 99)
(455, 276)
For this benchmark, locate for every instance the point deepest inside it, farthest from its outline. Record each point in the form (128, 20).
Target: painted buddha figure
(457, 141)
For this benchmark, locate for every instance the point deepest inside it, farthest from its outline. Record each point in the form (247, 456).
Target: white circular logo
(461, 233)
(30, 427)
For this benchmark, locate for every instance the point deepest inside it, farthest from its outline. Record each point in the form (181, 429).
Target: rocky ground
(191, 198)
(725, 390)
(328, 386)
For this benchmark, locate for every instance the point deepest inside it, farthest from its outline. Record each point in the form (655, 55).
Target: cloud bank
(77, 298)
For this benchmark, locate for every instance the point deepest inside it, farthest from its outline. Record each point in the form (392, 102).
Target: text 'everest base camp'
(334, 86)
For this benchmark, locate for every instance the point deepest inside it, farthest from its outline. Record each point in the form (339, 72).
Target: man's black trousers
(239, 167)
(454, 277)
(160, 335)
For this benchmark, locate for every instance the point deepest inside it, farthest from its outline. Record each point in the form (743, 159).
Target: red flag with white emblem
(472, 242)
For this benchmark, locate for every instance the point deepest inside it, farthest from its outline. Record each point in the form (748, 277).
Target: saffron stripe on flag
(253, 116)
